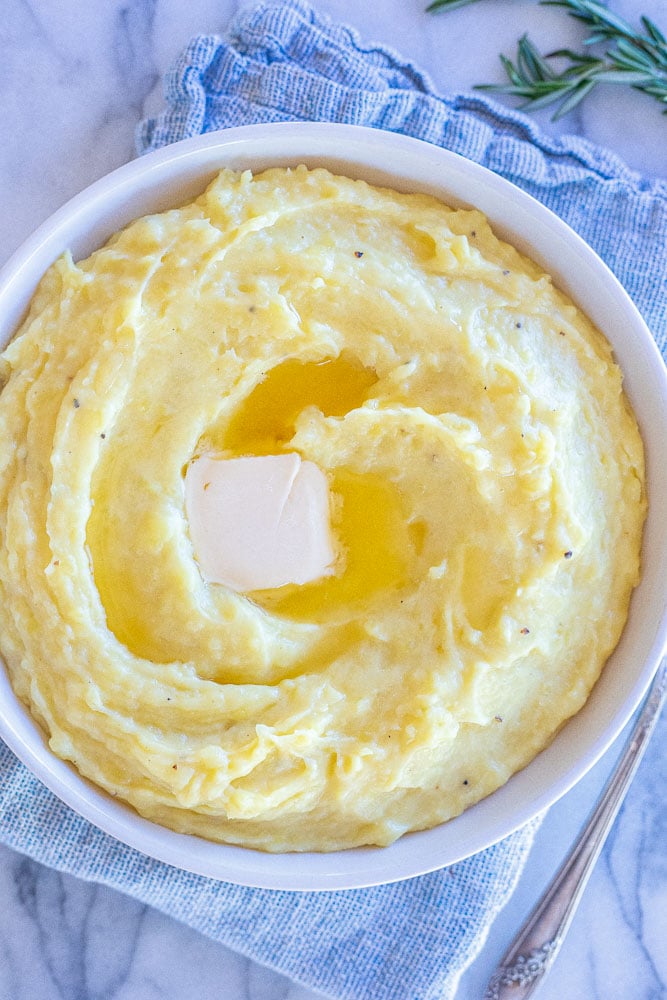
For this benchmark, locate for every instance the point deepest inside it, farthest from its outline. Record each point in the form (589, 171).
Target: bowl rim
(414, 165)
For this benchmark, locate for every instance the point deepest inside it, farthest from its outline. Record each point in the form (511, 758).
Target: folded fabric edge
(212, 907)
(268, 20)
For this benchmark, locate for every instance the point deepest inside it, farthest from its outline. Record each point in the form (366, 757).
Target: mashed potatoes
(486, 502)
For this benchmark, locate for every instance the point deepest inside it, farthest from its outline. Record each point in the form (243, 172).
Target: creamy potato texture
(486, 491)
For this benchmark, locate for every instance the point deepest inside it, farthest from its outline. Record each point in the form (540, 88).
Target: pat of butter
(259, 522)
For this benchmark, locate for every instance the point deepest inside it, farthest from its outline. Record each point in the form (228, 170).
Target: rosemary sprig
(637, 58)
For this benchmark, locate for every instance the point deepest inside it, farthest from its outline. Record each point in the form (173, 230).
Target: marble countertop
(74, 80)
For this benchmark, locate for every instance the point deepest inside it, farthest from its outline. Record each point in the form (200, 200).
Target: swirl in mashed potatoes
(487, 503)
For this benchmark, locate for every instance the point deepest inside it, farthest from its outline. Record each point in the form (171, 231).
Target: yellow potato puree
(486, 504)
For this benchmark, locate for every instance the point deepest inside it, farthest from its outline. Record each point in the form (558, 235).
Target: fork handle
(535, 947)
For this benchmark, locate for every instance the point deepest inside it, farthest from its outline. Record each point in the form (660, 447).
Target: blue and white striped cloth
(282, 62)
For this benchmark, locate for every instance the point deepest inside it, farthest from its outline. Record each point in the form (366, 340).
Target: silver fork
(532, 953)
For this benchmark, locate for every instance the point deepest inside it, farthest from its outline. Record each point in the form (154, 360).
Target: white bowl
(172, 176)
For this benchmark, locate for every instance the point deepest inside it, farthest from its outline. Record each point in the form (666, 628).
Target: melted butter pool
(368, 520)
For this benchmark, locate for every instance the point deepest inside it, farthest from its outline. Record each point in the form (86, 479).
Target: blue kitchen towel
(283, 62)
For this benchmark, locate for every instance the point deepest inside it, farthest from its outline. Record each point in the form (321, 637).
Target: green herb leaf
(447, 5)
(634, 58)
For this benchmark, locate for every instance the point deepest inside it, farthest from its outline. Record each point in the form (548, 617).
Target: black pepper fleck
(505, 271)
(568, 554)
(518, 326)
(77, 404)
(358, 253)
(525, 631)
(465, 781)
(498, 718)
(102, 436)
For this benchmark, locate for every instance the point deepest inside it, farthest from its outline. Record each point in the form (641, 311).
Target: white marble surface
(74, 80)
